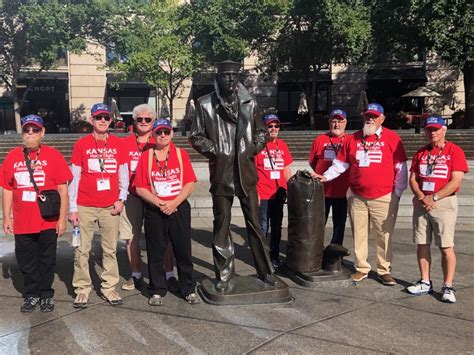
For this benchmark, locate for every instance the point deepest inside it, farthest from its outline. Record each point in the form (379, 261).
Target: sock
(448, 285)
(426, 282)
(169, 274)
(137, 275)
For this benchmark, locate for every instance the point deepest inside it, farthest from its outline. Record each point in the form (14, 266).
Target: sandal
(81, 300)
(113, 298)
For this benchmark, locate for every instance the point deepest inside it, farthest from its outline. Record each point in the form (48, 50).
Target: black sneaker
(277, 263)
(172, 284)
(30, 304)
(47, 305)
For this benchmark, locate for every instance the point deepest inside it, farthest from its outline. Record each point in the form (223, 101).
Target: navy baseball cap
(100, 109)
(339, 114)
(435, 121)
(374, 109)
(270, 117)
(162, 123)
(32, 119)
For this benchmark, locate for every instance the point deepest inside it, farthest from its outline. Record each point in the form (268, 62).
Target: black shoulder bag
(49, 201)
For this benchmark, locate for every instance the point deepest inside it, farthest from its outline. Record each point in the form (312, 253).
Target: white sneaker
(448, 294)
(420, 288)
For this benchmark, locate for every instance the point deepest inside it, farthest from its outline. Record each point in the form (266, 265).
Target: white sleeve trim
(337, 168)
(401, 178)
(73, 187)
(123, 181)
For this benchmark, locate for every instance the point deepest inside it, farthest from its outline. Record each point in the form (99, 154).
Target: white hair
(142, 108)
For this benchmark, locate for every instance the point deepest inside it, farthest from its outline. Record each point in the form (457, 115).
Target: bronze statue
(226, 131)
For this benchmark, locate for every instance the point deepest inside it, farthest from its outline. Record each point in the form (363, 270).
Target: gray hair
(143, 108)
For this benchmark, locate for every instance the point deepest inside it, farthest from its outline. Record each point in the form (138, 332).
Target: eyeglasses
(273, 126)
(146, 119)
(160, 132)
(100, 117)
(30, 129)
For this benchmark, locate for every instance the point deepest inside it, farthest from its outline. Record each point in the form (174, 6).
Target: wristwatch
(435, 197)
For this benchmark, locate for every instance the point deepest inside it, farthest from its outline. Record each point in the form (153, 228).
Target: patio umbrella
(422, 91)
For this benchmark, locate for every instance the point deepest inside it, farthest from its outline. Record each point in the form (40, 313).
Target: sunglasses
(160, 132)
(29, 129)
(273, 126)
(100, 117)
(146, 119)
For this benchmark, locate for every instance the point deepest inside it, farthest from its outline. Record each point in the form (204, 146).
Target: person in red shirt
(377, 165)
(131, 218)
(323, 151)
(97, 194)
(437, 171)
(164, 179)
(273, 171)
(35, 237)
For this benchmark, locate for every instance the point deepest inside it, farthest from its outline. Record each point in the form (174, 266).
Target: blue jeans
(339, 215)
(271, 217)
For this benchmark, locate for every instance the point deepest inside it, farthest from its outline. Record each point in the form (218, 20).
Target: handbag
(49, 201)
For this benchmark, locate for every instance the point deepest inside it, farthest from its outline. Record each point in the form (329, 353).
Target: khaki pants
(381, 214)
(108, 226)
(131, 218)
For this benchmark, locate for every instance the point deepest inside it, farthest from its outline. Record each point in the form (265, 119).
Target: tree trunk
(468, 72)
(16, 105)
(312, 97)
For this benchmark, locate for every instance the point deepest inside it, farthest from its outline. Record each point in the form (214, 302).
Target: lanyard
(367, 145)
(140, 150)
(272, 163)
(337, 146)
(431, 164)
(32, 163)
(101, 161)
(162, 169)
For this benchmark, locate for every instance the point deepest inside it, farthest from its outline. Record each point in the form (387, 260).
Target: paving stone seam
(430, 312)
(290, 331)
(342, 343)
(49, 320)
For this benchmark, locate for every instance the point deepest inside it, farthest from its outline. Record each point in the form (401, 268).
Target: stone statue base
(320, 278)
(245, 290)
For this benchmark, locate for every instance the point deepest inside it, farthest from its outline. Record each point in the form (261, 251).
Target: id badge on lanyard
(103, 184)
(28, 196)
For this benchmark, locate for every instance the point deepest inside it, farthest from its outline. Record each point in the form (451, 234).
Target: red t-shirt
(50, 171)
(167, 187)
(451, 158)
(270, 179)
(323, 152)
(133, 151)
(99, 163)
(1, 176)
(372, 170)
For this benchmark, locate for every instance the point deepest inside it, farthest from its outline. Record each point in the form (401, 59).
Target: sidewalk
(363, 318)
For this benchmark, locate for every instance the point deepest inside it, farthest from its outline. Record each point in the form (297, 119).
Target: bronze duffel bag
(306, 223)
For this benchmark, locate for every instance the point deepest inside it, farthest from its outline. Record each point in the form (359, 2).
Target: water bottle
(76, 237)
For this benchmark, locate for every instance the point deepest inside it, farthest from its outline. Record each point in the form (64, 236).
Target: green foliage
(317, 33)
(223, 29)
(151, 48)
(449, 28)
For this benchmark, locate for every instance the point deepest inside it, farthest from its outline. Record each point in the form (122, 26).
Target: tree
(230, 29)
(34, 34)
(448, 27)
(314, 35)
(405, 29)
(151, 48)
